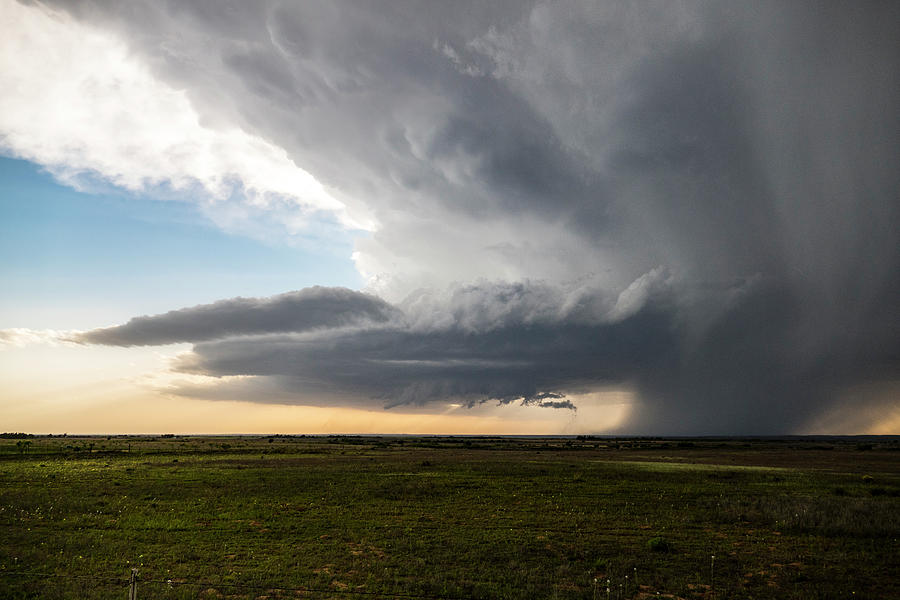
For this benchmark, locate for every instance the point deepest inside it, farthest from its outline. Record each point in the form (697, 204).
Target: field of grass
(365, 517)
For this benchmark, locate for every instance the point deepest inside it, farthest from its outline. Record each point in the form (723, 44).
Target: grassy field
(364, 517)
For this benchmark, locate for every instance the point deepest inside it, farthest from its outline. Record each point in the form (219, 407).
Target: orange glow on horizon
(153, 414)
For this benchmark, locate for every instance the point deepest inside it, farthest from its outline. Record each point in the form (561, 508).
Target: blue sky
(82, 260)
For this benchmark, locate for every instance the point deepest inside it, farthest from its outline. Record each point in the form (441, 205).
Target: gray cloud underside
(395, 366)
(311, 308)
(750, 149)
(537, 343)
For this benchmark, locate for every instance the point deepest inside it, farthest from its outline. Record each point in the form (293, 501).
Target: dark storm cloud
(750, 150)
(536, 348)
(311, 308)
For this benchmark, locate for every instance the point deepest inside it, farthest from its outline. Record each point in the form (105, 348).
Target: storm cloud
(696, 200)
(530, 342)
(312, 308)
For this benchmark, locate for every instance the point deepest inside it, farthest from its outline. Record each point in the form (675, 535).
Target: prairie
(432, 517)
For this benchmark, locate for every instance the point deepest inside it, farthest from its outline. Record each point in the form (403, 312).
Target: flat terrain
(366, 517)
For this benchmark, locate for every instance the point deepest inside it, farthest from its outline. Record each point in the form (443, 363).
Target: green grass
(286, 517)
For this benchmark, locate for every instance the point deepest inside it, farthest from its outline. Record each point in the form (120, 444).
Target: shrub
(658, 544)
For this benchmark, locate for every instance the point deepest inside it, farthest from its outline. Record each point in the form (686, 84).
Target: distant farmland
(405, 517)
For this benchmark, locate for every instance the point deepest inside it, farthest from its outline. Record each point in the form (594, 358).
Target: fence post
(132, 585)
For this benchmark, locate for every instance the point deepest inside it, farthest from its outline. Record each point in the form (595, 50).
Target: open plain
(448, 517)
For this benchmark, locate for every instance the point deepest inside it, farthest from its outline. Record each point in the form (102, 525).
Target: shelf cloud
(309, 309)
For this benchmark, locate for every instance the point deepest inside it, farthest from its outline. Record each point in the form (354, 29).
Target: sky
(659, 218)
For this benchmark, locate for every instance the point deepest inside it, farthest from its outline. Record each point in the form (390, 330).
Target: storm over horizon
(697, 202)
